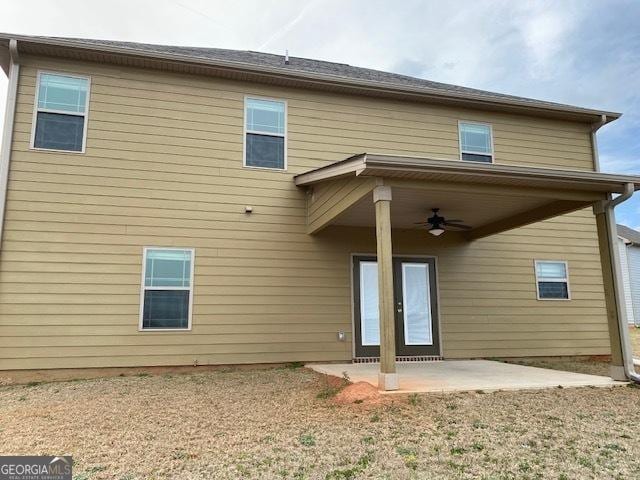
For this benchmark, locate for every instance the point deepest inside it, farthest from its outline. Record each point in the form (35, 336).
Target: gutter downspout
(627, 353)
(7, 134)
(594, 142)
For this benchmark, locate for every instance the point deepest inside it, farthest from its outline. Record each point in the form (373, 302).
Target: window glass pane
(475, 138)
(473, 157)
(265, 151)
(550, 270)
(58, 92)
(265, 116)
(168, 268)
(59, 131)
(369, 310)
(166, 309)
(553, 290)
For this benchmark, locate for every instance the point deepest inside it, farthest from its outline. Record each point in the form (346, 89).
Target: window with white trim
(61, 112)
(265, 133)
(167, 289)
(552, 279)
(476, 142)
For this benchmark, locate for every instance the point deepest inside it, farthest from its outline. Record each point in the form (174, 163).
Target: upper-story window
(476, 142)
(266, 133)
(61, 110)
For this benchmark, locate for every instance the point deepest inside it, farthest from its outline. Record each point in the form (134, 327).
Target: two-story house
(180, 206)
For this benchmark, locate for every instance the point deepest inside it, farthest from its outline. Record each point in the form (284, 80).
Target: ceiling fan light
(436, 231)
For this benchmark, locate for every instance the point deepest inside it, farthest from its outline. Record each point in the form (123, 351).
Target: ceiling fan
(440, 224)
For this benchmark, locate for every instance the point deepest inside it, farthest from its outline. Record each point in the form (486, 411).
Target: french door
(415, 302)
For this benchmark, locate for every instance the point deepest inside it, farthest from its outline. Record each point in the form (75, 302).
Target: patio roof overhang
(491, 198)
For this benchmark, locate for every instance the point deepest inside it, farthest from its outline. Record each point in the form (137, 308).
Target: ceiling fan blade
(422, 223)
(457, 225)
(457, 220)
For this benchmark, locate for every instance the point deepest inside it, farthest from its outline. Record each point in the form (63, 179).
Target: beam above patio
(396, 166)
(490, 198)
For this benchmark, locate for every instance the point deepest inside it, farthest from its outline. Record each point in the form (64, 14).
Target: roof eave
(628, 234)
(378, 164)
(587, 115)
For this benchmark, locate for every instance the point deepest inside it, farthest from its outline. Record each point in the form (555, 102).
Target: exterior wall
(633, 258)
(336, 197)
(626, 279)
(163, 167)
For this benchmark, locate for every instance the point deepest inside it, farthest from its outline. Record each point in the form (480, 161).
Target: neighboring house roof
(304, 67)
(629, 234)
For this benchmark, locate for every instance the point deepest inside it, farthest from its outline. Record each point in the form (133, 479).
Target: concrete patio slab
(466, 375)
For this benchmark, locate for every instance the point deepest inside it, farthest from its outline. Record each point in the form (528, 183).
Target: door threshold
(415, 358)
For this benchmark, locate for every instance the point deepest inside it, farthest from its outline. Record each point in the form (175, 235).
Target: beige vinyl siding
(163, 167)
(329, 200)
(488, 292)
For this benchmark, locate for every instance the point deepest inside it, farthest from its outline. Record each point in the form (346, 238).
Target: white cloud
(544, 33)
(620, 163)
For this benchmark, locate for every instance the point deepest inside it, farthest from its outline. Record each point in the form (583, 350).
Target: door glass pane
(369, 313)
(417, 304)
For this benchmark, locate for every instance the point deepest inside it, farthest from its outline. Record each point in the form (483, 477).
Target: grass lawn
(279, 424)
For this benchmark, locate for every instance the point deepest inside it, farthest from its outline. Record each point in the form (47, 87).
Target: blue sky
(581, 52)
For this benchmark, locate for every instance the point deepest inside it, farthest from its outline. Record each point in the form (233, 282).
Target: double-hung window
(476, 142)
(552, 279)
(265, 143)
(61, 112)
(167, 289)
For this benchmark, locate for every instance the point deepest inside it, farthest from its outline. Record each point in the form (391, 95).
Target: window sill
(268, 169)
(54, 150)
(156, 330)
(493, 159)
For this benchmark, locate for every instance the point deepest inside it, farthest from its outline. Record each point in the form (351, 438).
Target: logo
(35, 468)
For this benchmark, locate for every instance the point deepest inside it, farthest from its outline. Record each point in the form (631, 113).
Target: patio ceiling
(490, 198)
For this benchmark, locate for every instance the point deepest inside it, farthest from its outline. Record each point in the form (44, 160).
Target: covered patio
(391, 193)
(466, 376)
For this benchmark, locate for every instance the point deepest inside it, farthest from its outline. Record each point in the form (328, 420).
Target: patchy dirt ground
(285, 423)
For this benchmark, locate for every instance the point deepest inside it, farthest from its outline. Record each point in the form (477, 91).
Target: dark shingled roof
(307, 66)
(629, 234)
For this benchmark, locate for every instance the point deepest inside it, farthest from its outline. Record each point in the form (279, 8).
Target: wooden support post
(387, 378)
(608, 256)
